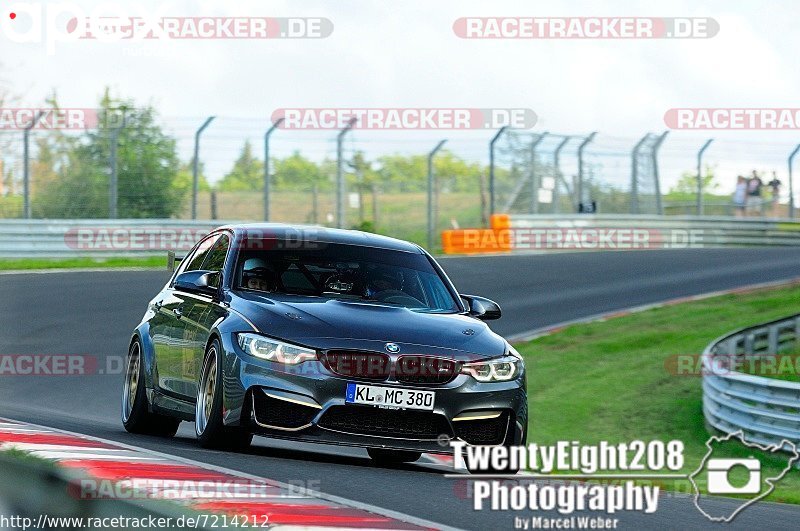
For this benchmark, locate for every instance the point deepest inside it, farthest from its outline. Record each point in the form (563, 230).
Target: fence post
(791, 182)
(772, 339)
(700, 176)
(340, 174)
(195, 164)
(431, 213)
(26, 165)
(113, 184)
(797, 331)
(494, 140)
(656, 173)
(579, 191)
(635, 174)
(267, 183)
(559, 176)
(749, 343)
(314, 203)
(375, 208)
(534, 177)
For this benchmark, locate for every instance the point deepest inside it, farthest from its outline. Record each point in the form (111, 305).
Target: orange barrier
(500, 221)
(476, 241)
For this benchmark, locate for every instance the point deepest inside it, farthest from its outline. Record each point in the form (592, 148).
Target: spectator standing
(775, 190)
(754, 186)
(740, 197)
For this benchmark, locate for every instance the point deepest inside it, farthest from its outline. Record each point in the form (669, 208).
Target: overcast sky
(405, 54)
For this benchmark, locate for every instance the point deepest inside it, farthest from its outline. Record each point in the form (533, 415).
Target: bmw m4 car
(323, 336)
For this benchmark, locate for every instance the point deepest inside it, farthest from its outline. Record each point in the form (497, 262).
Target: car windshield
(347, 272)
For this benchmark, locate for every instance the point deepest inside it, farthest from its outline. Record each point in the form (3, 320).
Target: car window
(200, 254)
(215, 258)
(344, 271)
(295, 281)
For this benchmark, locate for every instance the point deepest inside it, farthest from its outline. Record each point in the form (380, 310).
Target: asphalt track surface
(93, 313)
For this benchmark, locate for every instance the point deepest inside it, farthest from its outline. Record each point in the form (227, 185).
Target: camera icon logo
(719, 476)
(739, 476)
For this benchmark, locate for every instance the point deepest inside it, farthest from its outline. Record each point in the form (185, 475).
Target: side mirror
(481, 308)
(201, 282)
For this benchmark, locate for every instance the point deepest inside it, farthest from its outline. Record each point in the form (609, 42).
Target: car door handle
(178, 312)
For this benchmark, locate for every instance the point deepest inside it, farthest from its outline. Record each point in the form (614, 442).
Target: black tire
(211, 431)
(392, 457)
(136, 414)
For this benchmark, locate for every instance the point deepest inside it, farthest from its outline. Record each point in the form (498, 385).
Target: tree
(147, 166)
(297, 173)
(184, 179)
(687, 184)
(403, 173)
(247, 173)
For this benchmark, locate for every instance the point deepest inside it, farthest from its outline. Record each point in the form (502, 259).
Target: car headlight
(270, 349)
(497, 370)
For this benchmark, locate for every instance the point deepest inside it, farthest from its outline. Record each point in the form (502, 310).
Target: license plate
(394, 397)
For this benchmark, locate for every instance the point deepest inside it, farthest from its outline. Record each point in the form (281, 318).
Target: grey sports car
(326, 336)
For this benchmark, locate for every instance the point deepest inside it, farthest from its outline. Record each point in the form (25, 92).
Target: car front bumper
(307, 402)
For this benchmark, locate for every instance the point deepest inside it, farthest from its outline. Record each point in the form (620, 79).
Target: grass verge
(82, 262)
(25, 457)
(613, 380)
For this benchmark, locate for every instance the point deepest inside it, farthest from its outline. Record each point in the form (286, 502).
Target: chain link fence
(145, 170)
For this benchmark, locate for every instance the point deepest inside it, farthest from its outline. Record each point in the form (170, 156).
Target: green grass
(82, 262)
(612, 380)
(25, 457)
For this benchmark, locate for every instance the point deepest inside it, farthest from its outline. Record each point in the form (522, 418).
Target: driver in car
(381, 280)
(257, 276)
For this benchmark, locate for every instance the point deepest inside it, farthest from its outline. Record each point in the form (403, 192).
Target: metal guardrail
(99, 237)
(126, 237)
(586, 232)
(711, 231)
(766, 410)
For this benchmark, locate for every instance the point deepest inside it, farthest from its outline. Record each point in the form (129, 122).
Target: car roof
(320, 234)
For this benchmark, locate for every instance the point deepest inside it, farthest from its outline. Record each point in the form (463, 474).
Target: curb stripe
(139, 472)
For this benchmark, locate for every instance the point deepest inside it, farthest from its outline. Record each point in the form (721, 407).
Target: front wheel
(392, 457)
(209, 427)
(136, 415)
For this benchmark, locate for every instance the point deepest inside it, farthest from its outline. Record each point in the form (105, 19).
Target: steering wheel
(395, 296)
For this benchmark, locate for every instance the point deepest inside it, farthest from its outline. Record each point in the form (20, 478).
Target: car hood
(329, 323)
